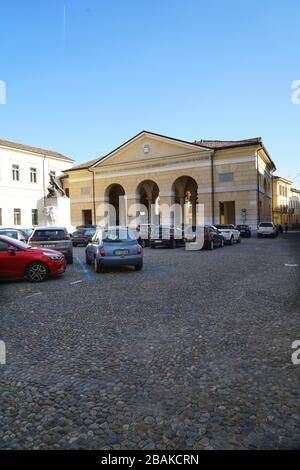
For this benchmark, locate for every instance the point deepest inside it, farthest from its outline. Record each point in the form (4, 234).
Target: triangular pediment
(147, 146)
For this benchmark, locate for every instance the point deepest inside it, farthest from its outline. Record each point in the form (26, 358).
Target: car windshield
(15, 242)
(84, 232)
(224, 226)
(116, 235)
(27, 231)
(266, 224)
(9, 233)
(243, 226)
(56, 234)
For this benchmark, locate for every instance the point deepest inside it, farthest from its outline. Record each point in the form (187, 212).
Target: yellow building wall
(165, 163)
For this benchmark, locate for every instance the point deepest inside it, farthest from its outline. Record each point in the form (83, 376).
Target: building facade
(286, 202)
(24, 178)
(232, 179)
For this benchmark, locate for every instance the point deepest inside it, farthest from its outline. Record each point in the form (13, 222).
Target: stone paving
(192, 353)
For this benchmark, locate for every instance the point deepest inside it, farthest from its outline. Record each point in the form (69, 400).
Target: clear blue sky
(84, 82)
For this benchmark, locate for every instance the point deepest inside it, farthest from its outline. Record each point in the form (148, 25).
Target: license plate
(121, 252)
(49, 246)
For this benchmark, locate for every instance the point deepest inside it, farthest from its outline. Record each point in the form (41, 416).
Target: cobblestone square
(194, 352)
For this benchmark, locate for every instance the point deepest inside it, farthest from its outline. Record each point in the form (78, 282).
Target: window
(50, 234)
(226, 177)
(3, 246)
(16, 173)
(0, 216)
(17, 216)
(33, 175)
(34, 217)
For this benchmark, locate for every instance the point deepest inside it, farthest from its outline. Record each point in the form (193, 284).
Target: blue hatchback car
(114, 247)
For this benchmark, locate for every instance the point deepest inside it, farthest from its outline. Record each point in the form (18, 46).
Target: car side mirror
(11, 250)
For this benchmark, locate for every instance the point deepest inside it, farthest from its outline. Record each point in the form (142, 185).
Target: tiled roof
(85, 165)
(29, 148)
(209, 144)
(220, 144)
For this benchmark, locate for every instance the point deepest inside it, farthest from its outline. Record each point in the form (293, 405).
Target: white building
(24, 178)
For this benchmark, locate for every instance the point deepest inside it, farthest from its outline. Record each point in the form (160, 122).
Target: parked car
(279, 228)
(79, 227)
(230, 233)
(83, 236)
(163, 235)
(212, 236)
(14, 233)
(56, 238)
(114, 247)
(143, 233)
(245, 230)
(267, 229)
(19, 260)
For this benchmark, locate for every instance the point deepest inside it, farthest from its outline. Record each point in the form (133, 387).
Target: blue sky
(84, 82)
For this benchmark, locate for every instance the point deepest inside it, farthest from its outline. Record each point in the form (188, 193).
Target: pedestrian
(286, 227)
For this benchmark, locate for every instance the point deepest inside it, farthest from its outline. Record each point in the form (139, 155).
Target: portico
(156, 170)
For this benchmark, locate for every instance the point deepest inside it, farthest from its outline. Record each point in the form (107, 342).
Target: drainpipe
(44, 189)
(272, 197)
(258, 190)
(94, 202)
(212, 188)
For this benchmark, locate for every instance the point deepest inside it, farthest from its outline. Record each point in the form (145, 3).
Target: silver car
(56, 238)
(114, 247)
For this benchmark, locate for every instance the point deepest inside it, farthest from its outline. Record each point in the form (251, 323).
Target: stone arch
(147, 193)
(115, 197)
(185, 190)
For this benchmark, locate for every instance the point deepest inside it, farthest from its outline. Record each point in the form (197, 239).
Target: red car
(18, 260)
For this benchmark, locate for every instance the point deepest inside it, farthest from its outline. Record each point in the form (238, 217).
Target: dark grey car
(56, 238)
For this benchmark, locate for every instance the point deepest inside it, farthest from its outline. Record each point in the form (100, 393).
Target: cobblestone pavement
(192, 353)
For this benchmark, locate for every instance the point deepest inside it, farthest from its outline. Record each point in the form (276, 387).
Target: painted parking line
(32, 295)
(75, 282)
(89, 276)
(291, 265)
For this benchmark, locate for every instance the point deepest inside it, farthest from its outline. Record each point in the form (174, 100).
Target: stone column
(133, 209)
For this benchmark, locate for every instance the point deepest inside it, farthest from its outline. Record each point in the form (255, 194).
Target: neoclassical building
(233, 179)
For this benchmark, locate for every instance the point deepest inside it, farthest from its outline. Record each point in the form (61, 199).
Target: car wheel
(138, 267)
(37, 272)
(98, 268)
(143, 244)
(211, 245)
(87, 261)
(222, 243)
(231, 241)
(239, 240)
